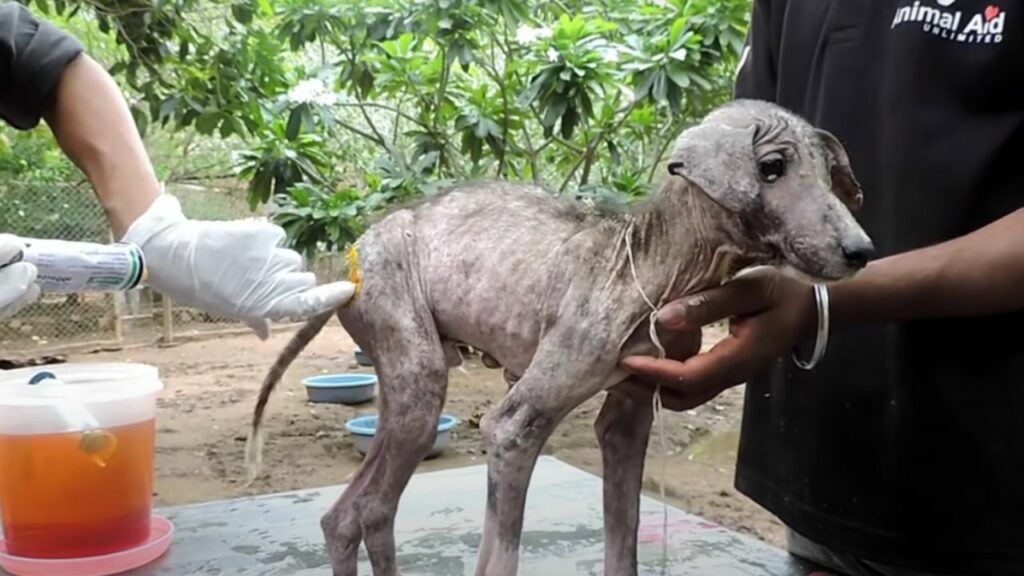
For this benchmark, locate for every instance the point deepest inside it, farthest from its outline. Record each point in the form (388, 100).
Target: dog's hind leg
(623, 428)
(341, 525)
(412, 370)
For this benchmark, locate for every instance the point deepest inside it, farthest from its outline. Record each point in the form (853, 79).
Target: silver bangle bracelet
(821, 341)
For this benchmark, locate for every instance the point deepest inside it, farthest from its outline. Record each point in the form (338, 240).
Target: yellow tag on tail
(352, 259)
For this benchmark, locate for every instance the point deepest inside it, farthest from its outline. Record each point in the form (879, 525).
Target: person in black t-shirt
(902, 450)
(233, 269)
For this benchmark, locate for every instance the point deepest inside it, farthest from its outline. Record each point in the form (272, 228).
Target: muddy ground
(211, 388)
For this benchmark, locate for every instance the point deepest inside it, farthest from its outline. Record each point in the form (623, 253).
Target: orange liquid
(61, 497)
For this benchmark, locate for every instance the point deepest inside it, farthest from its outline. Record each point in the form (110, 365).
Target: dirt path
(211, 388)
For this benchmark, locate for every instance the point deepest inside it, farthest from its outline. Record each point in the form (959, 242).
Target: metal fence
(63, 323)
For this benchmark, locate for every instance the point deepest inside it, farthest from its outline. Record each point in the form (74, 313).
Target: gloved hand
(18, 286)
(235, 269)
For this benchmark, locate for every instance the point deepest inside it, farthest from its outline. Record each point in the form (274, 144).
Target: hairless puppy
(551, 290)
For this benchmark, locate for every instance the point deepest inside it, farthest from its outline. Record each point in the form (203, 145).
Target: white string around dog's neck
(662, 455)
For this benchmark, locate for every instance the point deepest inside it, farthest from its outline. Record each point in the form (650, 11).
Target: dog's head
(789, 183)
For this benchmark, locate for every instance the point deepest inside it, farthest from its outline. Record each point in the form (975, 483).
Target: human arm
(980, 273)
(94, 127)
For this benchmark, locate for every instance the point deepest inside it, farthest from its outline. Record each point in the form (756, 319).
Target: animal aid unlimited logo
(945, 20)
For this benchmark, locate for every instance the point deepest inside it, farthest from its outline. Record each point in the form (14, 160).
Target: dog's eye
(772, 168)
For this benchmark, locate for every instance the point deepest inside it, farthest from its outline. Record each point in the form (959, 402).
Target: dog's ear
(844, 184)
(719, 159)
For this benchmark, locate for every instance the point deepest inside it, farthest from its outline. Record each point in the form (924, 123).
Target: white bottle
(66, 267)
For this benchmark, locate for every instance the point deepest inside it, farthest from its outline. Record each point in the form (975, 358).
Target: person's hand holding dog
(768, 314)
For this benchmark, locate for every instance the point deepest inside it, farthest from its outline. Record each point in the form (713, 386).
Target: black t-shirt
(906, 444)
(33, 55)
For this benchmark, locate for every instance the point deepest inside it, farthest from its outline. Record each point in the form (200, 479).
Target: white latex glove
(18, 286)
(234, 269)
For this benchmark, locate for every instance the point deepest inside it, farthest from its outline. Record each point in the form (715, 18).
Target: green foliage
(33, 156)
(283, 159)
(346, 107)
(316, 220)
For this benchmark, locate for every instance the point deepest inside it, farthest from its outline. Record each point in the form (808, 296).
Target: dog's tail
(254, 443)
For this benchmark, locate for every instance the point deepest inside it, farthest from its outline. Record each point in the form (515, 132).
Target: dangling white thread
(653, 331)
(462, 361)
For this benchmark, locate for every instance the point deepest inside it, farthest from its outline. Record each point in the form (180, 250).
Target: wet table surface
(438, 530)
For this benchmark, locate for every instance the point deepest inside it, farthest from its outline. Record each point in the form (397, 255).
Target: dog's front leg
(515, 433)
(515, 438)
(623, 428)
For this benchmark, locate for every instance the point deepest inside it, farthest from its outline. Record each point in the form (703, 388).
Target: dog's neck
(683, 242)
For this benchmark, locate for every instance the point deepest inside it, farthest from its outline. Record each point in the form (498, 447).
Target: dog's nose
(858, 252)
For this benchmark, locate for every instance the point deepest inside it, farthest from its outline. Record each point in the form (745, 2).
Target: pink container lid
(159, 541)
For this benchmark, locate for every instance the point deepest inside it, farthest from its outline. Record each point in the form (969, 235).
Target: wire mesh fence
(40, 210)
(58, 323)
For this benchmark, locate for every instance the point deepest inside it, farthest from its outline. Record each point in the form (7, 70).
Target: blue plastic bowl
(341, 388)
(363, 428)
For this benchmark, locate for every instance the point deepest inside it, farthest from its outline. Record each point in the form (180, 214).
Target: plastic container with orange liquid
(76, 462)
